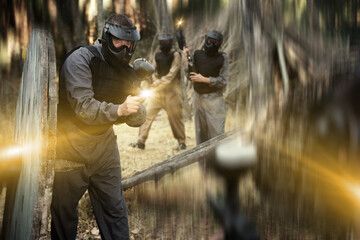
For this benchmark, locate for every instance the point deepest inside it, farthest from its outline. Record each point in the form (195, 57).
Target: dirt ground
(159, 146)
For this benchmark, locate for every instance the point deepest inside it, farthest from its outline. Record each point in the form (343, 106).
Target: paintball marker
(231, 160)
(180, 37)
(144, 70)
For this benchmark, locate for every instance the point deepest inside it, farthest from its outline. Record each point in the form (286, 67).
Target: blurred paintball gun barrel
(143, 69)
(180, 37)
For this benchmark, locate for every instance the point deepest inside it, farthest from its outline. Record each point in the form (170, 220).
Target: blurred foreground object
(337, 118)
(231, 161)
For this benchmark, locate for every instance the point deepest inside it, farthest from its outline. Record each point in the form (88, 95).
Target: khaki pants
(209, 115)
(169, 99)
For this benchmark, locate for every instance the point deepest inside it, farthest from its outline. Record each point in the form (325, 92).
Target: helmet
(213, 41)
(123, 53)
(165, 43)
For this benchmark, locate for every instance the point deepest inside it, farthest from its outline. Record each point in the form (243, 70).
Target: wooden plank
(28, 217)
(181, 160)
(46, 173)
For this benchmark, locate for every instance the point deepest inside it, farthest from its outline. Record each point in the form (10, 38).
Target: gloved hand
(143, 68)
(138, 118)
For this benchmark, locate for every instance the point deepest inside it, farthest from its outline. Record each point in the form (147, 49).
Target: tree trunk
(313, 17)
(65, 31)
(78, 25)
(129, 10)
(143, 18)
(118, 7)
(257, 49)
(163, 20)
(100, 17)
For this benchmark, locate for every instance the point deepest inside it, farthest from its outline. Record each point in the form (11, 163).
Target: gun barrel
(180, 37)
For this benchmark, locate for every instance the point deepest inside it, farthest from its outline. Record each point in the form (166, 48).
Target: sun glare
(13, 152)
(146, 93)
(354, 189)
(10, 152)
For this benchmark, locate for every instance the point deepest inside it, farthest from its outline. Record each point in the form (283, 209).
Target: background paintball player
(210, 76)
(167, 93)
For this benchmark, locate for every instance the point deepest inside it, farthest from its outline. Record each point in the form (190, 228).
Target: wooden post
(35, 130)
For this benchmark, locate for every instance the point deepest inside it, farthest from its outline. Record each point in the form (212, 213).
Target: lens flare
(179, 23)
(10, 153)
(354, 189)
(147, 93)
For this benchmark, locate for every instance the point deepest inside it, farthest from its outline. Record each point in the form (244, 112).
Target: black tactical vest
(208, 67)
(163, 64)
(110, 84)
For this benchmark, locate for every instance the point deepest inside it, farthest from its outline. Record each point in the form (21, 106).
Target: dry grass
(159, 146)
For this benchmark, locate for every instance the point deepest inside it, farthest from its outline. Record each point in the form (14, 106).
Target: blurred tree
(143, 18)
(163, 20)
(7, 20)
(15, 20)
(257, 47)
(341, 17)
(70, 23)
(100, 17)
(129, 9)
(330, 17)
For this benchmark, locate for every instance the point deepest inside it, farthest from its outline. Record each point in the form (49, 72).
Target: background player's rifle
(180, 37)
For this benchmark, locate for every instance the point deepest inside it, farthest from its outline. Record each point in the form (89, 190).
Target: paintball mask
(213, 41)
(165, 43)
(123, 53)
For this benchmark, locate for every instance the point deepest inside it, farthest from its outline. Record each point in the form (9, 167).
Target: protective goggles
(213, 41)
(165, 42)
(214, 37)
(114, 41)
(118, 33)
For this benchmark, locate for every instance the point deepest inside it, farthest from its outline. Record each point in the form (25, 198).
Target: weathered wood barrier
(28, 196)
(172, 164)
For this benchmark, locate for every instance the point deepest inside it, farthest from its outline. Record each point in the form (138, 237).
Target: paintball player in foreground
(167, 94)
(96, 83)
(210, 76)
